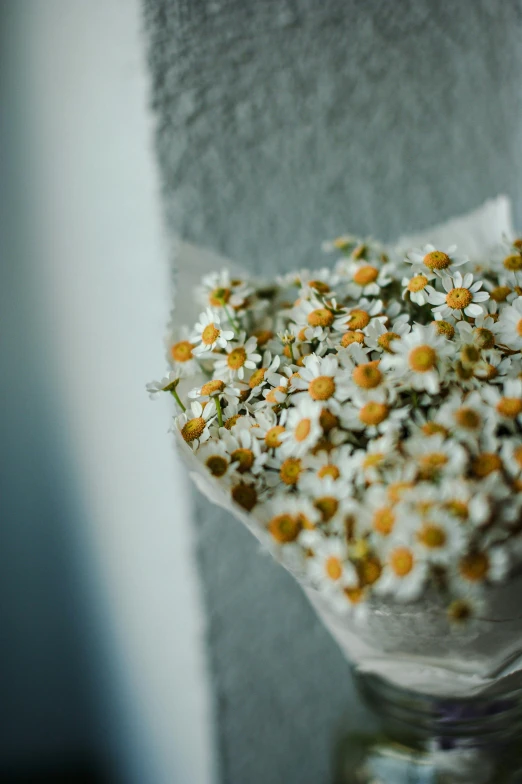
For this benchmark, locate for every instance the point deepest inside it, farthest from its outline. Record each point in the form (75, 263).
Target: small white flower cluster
(369, 418)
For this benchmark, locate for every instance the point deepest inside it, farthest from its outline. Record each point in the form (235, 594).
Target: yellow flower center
(367, 376)
(396, 491)
(484, 338)
(193, 429)
(319, 286)
(458, 508)
(386, 340)
(354, 595)
(290, 470)
(417, 283)
(431, 464)
(285, 528)
(244, 495)
(271, 397)
(211, 387)
(358, 319)
(383, 520)
(182, 351)
(459, 298)
(263, 336)
(321, 388)
(513, 263)
(460, 611)
(467, 418)
(401, 561)
(444, 328)
(327, 420)
(217, 465)
(352, 337)
(359, 252)
(272, 439)
(302, 430)
(341, 243)
(237, 358)
(518, 244)
(257, 377)
(219, 297)
(422, 358)
(369, 570)
(210, 334)
(432, 536)
(519, 327)
(373, 413)
(517, 454)
(244, 458)
(509, 407)
(433, 428)
(370, 461)
(329, 470)
(327, 506)
(474, 567)
(469, 354)
(365, 275)
(485, 463)
(500, 293)
(231, 421)
(322, 317)
(437, 260)
(333, 568)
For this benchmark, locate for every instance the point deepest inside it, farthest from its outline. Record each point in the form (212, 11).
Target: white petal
(473, 310)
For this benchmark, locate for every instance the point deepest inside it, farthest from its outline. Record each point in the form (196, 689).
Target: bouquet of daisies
(365, 420)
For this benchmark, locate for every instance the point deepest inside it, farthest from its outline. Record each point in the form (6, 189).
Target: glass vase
(433, 740)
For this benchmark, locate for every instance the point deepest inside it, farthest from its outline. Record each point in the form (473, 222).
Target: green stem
(219, 411)
(292, 352)
(175, 395)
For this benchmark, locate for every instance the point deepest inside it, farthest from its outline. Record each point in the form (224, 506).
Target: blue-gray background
(280, 123)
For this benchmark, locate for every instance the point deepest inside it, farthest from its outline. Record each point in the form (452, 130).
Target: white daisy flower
(436, 456)
(195, 429)
(365, 279)
(476, 568)
(343, 243)
(461, 296)
(241, 356)
(510, 325)
(373, 412)
(418, 358)
(439, 262)
(466, 611)
(302, 428)
(415, 287)
(322, 380)
(379, 338)
(214, 456)
(464, 502)
(511, 453)
(216, 386)
(464, 416)
(266, 374)
(506, 403)
(166, 384)
(328, 568)
(360, 316)
(180, 353)
(209, 333)
(438, 537)
(313, 318)
(327, 494)
(244, 449)
(405, 570)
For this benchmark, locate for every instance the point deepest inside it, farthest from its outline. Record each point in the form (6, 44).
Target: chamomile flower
(435, 456)
(404, 571)
(379, 338)
(244, 450)
(373, 412)
(414, 288)
(479, 567)
(209, 333)
(438, 262)
(194, 424)
(464, 417)
(357, 318)
(328, 568)
(506, 402)
(302, 428)
(216, 387)
(326, 494)
(418, 358)
(365, 279)
(460, 296)
(166, 384)
(323, 381)
(215, 457)
(510, 325)
(241, 356)
(180, 353)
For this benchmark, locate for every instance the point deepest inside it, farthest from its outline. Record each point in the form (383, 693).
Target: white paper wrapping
(410, 645)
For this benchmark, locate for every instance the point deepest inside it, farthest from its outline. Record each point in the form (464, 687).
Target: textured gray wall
(280, 123)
